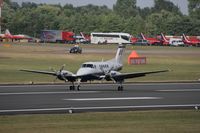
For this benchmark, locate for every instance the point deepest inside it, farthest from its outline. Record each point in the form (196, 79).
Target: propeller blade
(52, 69)
(64, 78)
(62, 67)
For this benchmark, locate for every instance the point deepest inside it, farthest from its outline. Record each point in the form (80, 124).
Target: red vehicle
(134, 40)
(8, 35)
(57, 36)
(151, 41)
(164, 40)
(68, 36)
(191, 41)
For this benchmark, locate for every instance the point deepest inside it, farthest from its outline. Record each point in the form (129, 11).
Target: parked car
(76, 49)
(176, 42)
(142, 42)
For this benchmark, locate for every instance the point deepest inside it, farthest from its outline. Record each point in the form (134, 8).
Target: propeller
(107, 75)
(59, 74)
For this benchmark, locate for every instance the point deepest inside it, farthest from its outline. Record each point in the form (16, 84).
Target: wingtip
(169, 70)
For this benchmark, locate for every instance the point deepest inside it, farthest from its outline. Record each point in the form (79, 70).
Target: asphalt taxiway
(31, 99)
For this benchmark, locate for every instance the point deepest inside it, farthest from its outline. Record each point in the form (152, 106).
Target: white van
(176, 42)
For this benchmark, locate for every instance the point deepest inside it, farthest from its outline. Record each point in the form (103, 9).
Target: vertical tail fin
(163, 37)
(119, 54)
(185, 38)
(7, 32)
(82, 35)
(143, 37)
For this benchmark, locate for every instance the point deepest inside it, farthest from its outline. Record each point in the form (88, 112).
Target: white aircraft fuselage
(89, 70)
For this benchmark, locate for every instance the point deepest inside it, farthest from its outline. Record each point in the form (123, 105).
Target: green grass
(174, 121)
(184, 62)
(185, 65)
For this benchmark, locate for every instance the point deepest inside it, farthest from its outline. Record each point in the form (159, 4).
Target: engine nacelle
(64, 75)
(109, 76)
(114, 73)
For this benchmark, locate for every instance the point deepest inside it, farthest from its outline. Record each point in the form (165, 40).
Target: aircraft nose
(83, 71)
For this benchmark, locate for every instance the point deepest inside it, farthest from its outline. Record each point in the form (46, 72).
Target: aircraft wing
(123, 76)
(41, 72)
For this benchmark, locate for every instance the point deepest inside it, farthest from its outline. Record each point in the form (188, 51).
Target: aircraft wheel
(71, 88)
(78, 88)
(120, 88)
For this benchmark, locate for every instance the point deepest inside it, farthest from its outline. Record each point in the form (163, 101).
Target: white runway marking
(93, 84)
(180, 90)
(22, 86)
(93, 108)
(111, 99)
(42, 93)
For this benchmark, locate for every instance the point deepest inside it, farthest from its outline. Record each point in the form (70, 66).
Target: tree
(125, 8)
(112, 23)
(186, 25)
(7, 15)
(166, 5)
(7, 1)
(30, 18)
(160, 22)
(194, 8)
(145, 12)
(29, 5)
(134, 25)
(14, 5)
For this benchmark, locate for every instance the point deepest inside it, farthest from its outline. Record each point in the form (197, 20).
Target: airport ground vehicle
(110, 38)
(75, 50)
(171, 40)
(142, 42)
(176, 42)
(57, 36)
(82, 40)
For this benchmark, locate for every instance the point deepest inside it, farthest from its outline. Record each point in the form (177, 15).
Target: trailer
(59, 36)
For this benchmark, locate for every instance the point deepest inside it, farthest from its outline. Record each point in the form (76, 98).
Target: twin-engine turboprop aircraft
(104, 70)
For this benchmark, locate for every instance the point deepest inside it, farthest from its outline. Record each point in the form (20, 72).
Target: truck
(60, 36)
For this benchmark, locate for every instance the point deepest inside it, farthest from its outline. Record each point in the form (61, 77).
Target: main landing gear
(120, 87)
(73, 87)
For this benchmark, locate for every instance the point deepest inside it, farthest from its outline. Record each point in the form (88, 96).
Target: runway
(34, 99)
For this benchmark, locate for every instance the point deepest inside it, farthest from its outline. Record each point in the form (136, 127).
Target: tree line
(30, 18)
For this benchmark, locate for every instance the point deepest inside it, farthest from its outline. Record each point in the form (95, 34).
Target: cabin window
(105, 35)
(125, 38)
(87, 66)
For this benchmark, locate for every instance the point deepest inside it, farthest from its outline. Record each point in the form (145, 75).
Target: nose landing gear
(73, 87)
